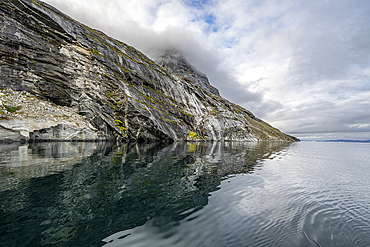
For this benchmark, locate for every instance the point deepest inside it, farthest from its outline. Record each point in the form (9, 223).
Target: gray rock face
(175, 63)
(26, 117)
(111, 90)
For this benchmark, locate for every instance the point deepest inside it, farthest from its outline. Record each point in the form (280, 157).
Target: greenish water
(185, 194)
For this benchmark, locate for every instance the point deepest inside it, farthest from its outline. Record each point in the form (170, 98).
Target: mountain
(61, 80)
(343, 140)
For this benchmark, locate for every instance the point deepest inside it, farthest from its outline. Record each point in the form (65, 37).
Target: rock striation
(94, 87)
(175, 63)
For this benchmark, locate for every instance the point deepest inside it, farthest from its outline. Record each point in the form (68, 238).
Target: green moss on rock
(193, 136)
(12, 109)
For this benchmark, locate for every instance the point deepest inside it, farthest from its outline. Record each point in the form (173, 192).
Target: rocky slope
(175, 63)
(94, 87)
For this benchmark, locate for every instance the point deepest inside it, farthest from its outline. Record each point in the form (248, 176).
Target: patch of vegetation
(95, 51)
(173, 121)
(188, 114)
(2, 114)
(122, 129)
(215, 113)
(193, 136)
(153, 107)
(118, 121)
(12, 109)
(109, 94)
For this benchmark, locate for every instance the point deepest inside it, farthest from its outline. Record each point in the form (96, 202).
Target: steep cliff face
(111, 90)
(175, 63)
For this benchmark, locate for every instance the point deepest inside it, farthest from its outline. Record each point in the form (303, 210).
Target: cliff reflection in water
(76, 194)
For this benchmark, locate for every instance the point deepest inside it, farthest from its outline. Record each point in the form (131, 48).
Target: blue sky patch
(210, 19)
(197, 3)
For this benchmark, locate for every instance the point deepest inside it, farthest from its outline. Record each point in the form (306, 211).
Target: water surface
(185, 194)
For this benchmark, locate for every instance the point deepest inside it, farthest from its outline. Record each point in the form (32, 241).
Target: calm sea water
(185, 194)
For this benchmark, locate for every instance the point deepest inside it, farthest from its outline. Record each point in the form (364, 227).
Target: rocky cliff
(175, 63)
(62, 80)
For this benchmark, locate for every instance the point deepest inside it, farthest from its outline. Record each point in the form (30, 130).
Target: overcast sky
(302, 66)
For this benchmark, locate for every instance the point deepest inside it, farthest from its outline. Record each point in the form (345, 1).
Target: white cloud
(302, 66)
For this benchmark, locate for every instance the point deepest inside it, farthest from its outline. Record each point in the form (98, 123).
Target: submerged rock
(108, 89)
